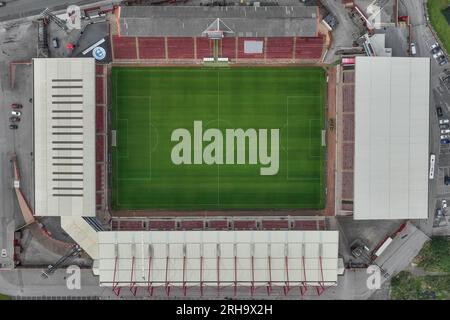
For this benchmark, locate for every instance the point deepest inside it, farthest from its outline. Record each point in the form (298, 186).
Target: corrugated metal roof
(64, 136)
(391, 138)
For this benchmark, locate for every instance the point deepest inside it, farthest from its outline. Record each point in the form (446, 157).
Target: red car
(16, 106)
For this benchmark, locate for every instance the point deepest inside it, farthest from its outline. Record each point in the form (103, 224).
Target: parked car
(16, 113)
(435, 47)
(447, 180)
(413, 49)
(444, 121)
(445, 136)
(443, 126)
(16, 106)
(438, 54)
(55, 43)
(439, 111)
(444, 204)
(445, 141)
(2, 3)
(445, 131)
(13, 126)
(443, 61)
(14, 119)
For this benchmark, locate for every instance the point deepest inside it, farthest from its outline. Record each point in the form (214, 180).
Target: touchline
(235, 147)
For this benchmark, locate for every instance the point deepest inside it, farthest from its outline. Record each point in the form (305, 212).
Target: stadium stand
(99, 92)
(180, 48)
(191, 225)
(227, 48)
(218, 225)
(308, 48)
(152, 48)
(130, 225)
(275, 224)
(245, 225)
(161, 225)
(204, 48)
(280, 48)
(100, 148)
(304, 225)
(124, 47)
(99, 119)
(243, 55)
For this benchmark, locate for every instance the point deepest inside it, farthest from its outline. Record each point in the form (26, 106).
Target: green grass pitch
(149, 103)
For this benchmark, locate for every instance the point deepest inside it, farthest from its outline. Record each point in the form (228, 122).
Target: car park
(13, 126)
(439, 112)
(16, 106)
(14, 119)
(16, 113)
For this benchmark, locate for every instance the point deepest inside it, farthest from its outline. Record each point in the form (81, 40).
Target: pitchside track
(150, 103)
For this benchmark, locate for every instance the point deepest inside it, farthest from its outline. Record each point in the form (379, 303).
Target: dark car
(14, 119)
(13, 126)
(439, 111)
(447, 180)
(445, 141)
(443, 61)
(16, 106)
(2, 3)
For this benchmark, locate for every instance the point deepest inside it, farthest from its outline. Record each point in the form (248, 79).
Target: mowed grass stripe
(220, 98)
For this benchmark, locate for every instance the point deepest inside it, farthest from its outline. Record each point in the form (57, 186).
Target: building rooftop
(190, 21)
(64, 136)
(391, 138)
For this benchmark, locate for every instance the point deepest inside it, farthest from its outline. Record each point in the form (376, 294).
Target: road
(24, 8)
(439, 96)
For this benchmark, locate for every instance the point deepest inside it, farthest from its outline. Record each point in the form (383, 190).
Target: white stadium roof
(64, 136)
(218, 258)
(391, 138)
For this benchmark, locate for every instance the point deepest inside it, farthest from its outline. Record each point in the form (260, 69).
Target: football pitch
(218, 138)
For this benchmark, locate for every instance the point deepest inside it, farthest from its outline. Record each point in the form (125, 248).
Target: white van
(413, 49)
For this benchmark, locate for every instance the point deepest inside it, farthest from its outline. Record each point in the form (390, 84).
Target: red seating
(308, 48)
(99, 119)
(99, 90)
(180, 48)
(280, 48)
(124, 47)
(218, 225)
(152, 48)
(227, 48)
(99, 69)
(204, 48)
(100, 148)
(191, 225)
(161, 225)
(244, 225)
(275, 224)
(305, 225)
(98, 177)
